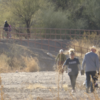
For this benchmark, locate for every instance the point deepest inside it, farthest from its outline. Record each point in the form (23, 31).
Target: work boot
(92, 89)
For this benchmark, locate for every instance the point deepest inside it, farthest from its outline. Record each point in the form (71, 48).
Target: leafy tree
(92, 13)
(60, 19)
(61, 3)
(21, 12)
(56, 14)
(24, 10)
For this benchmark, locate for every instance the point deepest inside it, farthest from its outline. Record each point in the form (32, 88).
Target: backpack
(9, 27)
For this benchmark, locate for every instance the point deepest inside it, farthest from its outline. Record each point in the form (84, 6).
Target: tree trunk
(28, 28)
(28, 32)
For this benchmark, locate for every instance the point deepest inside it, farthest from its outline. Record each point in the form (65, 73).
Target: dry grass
(36, 86)
(10, 64)
(82, 45)
(4, 66)
(31, 64)
(18, 58)
(65, 87)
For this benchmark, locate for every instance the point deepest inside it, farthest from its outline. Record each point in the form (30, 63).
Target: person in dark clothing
(6, 28)
(73, 68)
(91, 83)
(90, 65)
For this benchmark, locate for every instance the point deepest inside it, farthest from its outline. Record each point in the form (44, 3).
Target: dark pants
(73, 80)
(88, 82)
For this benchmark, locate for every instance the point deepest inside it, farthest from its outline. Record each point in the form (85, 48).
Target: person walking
(60, 59)
(72, 68)
(91, 61)
(6, 28)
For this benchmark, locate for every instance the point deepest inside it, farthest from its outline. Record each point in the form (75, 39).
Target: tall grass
(24, 63)
(87, 40)
(31, 64)
(83, 44)
(17, 57)
(4, 66)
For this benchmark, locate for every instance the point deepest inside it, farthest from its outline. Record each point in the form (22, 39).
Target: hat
(93, 47)
(61, 50)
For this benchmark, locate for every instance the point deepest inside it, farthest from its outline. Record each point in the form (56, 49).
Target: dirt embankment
(35, 49)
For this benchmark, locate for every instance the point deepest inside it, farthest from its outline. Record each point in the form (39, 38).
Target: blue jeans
(90, 86)
(88, 82)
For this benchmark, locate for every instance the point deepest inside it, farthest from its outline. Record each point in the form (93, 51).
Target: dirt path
(23, 86)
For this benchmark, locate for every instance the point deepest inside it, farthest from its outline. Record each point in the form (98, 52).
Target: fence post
(45, 33)
(3, 34)
(48, 45)
(70, 34)
(81, 52)
(65, 34)
(0, 34)
(75, 35)
(60, 34)
(61, 44)
(79, 34)
(40, 34)
(41, 44)
(55, 33)
(55, 45)
(35, 38)
(50, 34)
(28, 41)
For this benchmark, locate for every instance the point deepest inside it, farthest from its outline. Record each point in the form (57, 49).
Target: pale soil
(23, 86)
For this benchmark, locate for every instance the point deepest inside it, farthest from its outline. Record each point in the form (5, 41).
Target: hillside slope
(33, 48)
